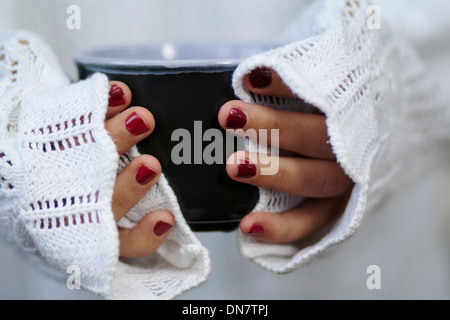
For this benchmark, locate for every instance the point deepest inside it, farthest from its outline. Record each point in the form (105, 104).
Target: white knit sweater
(387, 115)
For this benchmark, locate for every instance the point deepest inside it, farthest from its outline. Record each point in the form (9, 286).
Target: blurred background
(408, 238)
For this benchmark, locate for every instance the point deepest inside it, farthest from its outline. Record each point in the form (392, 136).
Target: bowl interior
(170, 55)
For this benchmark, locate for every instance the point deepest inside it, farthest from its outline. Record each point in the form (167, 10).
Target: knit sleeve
(388, 121)
(58, 167)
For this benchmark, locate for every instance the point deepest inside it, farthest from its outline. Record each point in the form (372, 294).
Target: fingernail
(246, 169)
(135, 124)
(236, 119)
(161, 227)
(260, 77)
(116, 96)
(256, 229)
(144, 175)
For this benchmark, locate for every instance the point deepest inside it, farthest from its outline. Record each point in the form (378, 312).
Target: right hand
(128, 126)
(314, 173)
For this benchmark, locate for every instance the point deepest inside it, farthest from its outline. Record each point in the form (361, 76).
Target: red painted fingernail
(246, 169)
(135, 124)
(256, 229)
(260, 77)
(116, 96)
(236, 119)
(161, 227)
(144, 175)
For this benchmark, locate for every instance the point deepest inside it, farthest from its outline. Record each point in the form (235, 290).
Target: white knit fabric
(58, 163)
(58, 167)
(382, 108)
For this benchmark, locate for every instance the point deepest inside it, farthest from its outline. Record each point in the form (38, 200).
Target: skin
(317, 175)
(141, 240)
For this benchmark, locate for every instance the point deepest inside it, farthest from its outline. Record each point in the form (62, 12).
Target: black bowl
(184, 88)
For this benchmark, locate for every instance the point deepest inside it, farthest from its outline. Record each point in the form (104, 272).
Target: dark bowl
(184, 87)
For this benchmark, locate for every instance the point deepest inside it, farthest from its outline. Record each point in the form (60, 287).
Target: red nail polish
(236, 119)
(135, 124)
(256, 229)
(144, 175)
(116, 96)
(161, 227)
(246, 169)
(260, 77)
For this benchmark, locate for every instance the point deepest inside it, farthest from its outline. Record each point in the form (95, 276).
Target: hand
(128, 127)
(315, 175)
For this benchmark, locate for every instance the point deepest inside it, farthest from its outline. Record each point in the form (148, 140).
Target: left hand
(315, 175)
(128, 126)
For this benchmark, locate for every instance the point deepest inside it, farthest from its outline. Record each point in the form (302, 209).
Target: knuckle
(328, 184)
(274, 120)
(334, 183)
(322, 144)
(120, 206)
(278, 181)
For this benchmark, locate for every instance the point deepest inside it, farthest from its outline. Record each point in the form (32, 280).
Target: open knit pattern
(58, 164)
(58, 168)
(373, 89)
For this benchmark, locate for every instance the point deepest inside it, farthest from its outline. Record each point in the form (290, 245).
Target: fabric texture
(58, 168)
(58, 164)
(372, 88)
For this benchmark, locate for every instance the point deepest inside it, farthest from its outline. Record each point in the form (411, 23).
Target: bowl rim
(96, 57)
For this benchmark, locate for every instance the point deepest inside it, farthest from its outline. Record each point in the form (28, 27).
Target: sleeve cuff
(366, 82)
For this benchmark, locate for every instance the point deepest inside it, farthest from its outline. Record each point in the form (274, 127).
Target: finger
(147, 235)
(309, 218)
(130, 127)
(265, 81)
(300, 176)
(133, 183)
(301, 133)
(119, 98)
